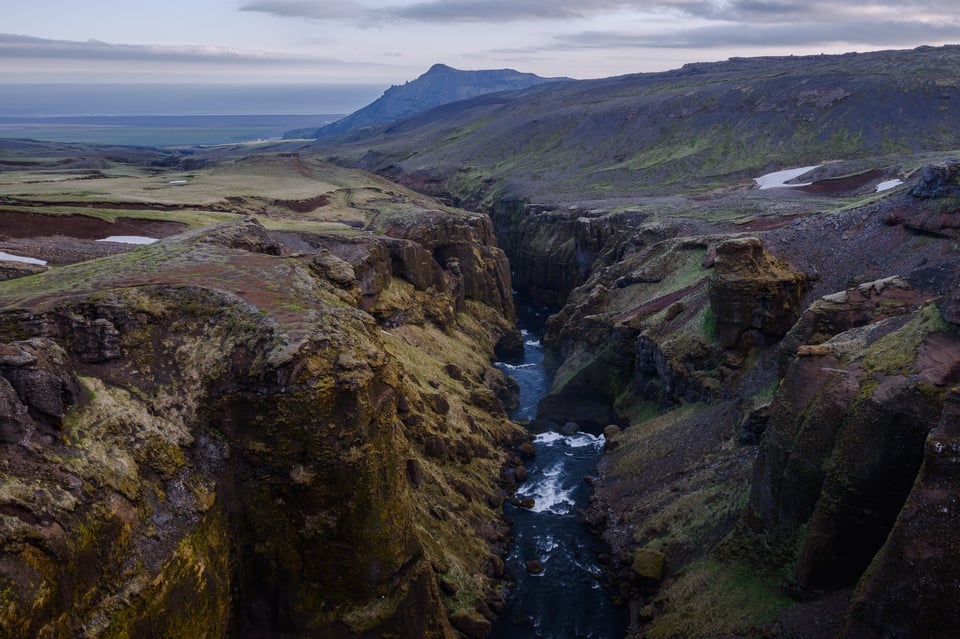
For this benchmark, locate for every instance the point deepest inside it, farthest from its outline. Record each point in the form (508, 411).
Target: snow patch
(10, 257)
(779, 179)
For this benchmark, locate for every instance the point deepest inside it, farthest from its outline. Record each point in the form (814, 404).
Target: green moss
(637, 447)
(896, 353)
(467, 586)
(708, 323)
(684, 524)
(713, 598)
(189, 597)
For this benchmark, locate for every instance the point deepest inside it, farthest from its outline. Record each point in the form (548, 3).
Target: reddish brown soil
(64, 239)
(17, 224)
(836, 187)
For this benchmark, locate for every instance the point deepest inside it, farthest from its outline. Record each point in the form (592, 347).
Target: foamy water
(564, 599)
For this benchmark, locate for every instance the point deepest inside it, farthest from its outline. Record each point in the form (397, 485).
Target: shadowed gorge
(761, 359)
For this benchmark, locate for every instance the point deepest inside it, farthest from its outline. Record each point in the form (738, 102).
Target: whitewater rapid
(553, 560)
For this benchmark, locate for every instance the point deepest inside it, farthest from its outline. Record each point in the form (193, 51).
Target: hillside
(439, 85)
(695, 129)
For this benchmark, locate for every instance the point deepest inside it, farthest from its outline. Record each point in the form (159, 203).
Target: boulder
(648, 565)
(471, 624)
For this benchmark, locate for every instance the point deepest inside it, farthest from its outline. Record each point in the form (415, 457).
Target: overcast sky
(392, 41)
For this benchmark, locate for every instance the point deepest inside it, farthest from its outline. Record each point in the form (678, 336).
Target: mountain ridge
(439, 85)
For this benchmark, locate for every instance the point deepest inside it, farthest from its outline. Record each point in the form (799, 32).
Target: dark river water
(565, 600)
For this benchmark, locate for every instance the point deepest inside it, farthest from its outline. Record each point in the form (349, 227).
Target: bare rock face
(37, 387)
(839, 312)
(843, 449)
(465, 248)
(938, 181)
(933, 204)
(755, 297)
(553, 250)
(910, 589)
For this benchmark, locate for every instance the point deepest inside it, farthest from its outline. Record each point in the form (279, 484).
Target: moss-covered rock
(755, 297)
(846, 441)
(222, 446)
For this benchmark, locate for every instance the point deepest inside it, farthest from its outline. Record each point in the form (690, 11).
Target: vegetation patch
(712, 598)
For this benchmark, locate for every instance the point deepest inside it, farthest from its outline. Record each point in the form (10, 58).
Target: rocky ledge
(233, 433)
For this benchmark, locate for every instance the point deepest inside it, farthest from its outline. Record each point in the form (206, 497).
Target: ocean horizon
(89, 100)
(172, 114)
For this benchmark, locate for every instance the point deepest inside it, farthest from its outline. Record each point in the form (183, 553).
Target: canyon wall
(233, 433)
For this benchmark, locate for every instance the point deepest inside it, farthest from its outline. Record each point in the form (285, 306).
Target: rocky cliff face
(754, 297)
(210, 437)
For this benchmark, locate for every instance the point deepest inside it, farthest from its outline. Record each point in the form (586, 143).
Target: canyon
(282, 418)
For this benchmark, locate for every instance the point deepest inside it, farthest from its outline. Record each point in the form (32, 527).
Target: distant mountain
(440, 85)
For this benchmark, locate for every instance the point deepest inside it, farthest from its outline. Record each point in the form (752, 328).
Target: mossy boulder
(648, 565)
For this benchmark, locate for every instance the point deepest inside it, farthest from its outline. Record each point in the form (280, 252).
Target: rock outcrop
(841, 473)
(10, 269)
(934, 206)
(755, 297)
(910, 589)
(210, 437)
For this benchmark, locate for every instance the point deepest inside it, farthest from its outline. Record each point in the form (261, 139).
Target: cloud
(26, 47)
(312, 10)
(500, 11)
(884, 34)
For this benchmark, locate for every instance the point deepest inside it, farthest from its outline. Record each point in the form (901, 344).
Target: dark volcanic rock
(938, 181)
(44, 386)
(846, 438)
(933, 204)
(910, 589)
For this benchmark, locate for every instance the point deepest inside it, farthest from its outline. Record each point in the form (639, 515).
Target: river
(564, 600)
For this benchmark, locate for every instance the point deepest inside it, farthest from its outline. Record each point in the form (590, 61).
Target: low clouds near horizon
(934, 14)
(123, 61)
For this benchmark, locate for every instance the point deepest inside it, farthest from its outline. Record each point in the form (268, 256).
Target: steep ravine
(553, 559)
(777, 397)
